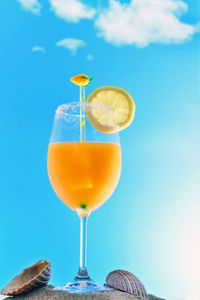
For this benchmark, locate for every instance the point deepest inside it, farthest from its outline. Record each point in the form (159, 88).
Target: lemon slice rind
(119, 112)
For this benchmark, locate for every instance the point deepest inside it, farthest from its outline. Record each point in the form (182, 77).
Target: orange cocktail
(84, 174)
(84, 159)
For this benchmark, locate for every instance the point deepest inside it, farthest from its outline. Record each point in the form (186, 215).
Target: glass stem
(82, 272)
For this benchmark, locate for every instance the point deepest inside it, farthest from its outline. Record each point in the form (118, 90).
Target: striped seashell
(29, 279)
(126, 282)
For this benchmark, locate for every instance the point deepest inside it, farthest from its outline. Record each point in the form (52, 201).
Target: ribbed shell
(29, 279)
(126, 282)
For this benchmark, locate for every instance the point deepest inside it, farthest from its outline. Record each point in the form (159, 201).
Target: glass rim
(66, 109)
(73, 111)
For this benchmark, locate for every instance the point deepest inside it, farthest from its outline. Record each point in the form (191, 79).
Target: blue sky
(150, 226)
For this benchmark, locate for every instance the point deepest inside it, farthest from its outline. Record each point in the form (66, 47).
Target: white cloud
(71, 44)
(31, 5)
(142, 22)
(90, 57)
(39, 49)
(72, 10)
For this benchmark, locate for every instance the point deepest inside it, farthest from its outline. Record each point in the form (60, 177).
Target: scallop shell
(126, 282)
(29, 279)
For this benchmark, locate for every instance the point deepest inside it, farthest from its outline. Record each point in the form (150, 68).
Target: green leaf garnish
(83, 206)
(91, 78)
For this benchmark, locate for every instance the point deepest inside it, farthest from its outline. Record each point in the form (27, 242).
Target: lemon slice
(118, 109)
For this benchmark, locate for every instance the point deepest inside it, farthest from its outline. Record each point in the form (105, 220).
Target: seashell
(29, 279)
(126, 282)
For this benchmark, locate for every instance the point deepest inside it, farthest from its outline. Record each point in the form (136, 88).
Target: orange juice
(84, 174)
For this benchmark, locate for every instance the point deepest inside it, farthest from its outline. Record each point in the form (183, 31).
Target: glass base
(79, 287)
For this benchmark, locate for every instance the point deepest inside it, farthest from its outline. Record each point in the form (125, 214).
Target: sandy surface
(47, 293)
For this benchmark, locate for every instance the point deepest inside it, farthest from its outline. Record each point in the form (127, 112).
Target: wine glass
(83, 171)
